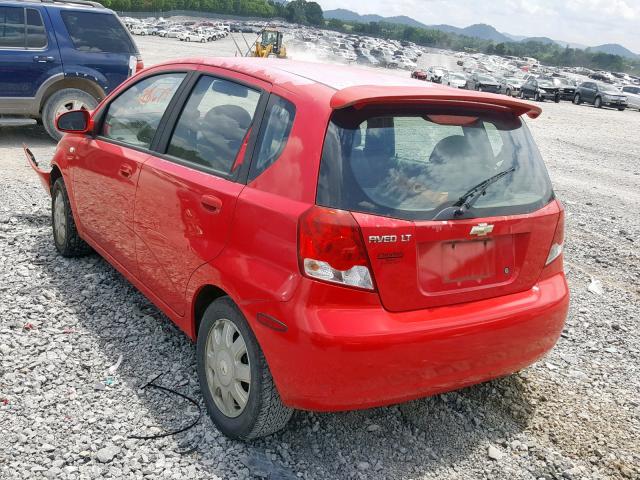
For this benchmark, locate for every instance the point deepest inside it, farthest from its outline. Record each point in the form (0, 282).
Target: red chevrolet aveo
(331, 238)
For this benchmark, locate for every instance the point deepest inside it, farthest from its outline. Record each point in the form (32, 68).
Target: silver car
(633, 96)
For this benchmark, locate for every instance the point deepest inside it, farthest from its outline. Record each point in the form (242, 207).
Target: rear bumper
(341, 358)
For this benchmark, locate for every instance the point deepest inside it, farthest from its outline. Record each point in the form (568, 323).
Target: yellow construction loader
(269, 44)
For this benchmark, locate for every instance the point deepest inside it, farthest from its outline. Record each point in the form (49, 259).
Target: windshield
(485, 78)
(414, 163)
(458, 76)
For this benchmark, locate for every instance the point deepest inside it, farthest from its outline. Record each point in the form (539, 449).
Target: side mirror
(75, 121)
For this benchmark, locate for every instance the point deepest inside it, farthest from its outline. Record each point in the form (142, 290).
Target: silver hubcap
(228, 368)
(59, 219)
(71, 104)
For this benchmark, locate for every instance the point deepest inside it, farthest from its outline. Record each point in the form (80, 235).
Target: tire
(621, 109)
(508, 92)
(65, 99)
(202, 41)
(65, 234)
(597, 102)
(536, 97)
(557, 99)
(576, 99)
(263, 413)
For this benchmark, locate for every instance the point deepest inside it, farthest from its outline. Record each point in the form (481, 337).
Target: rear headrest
(451, 149)
(225, 113)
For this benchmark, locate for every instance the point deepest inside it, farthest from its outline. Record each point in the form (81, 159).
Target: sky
(587, 22)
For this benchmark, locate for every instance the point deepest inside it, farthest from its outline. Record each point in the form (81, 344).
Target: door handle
(125, 171)
(43, 59)
(211, 203)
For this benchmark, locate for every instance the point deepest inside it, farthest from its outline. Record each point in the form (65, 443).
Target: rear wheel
(65, 234)
(622, 109)
(235, 380)
(557, 98)
(62, 101)
(598, 102)
(537, 97)
(508, 92)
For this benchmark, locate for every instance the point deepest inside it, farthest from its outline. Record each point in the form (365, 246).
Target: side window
(36, 34)
(97, 32)
(134, 116)
(12, 27)
(214, 123)
(274, 133)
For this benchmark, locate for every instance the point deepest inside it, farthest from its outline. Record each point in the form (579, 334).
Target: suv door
(28, 56)
(187, 191)
(106, 167)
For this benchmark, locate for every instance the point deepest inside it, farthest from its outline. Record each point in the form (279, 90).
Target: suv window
(97, 32)
(36, 34)
(274, 133)
(213, 124)
(134, 116)
(12, 27)
(411, 163)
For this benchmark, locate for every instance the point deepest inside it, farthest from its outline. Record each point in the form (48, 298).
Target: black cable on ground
(152, 384)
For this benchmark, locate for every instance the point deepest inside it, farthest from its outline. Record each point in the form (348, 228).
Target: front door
(106, 169)
(187, 192)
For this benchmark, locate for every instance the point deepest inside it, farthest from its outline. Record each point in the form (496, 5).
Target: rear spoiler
(370, 94)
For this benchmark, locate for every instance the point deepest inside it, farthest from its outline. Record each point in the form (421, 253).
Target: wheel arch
(204, 297)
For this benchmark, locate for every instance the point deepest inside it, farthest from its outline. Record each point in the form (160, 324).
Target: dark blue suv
(58, 55)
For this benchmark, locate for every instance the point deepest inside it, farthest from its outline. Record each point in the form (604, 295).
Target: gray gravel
(67, 407)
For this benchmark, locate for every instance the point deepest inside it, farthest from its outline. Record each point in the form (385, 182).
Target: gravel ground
(68, 403)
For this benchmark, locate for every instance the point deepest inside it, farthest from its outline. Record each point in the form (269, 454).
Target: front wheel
(537, 97)
(65, 234)
(557, 99)
(576, 99)
(622, 109)
(63, 101)
(598, 102)
(235, 380)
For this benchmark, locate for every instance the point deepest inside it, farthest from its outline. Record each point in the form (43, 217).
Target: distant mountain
(480, 30)
(614, 49)
(350, 16)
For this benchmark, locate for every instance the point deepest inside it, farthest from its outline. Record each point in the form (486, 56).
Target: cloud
(588, 22)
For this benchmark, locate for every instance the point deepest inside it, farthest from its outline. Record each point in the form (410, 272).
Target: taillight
(330, 248)
(558, 239)
(139, 65)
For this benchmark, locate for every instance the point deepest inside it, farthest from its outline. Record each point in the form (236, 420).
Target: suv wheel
(65, 233)
(576, 99)
(598, 102)
(235, 380)
(62, 101)
(537, 97)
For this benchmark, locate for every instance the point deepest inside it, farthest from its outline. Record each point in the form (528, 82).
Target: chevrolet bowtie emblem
(481, 230)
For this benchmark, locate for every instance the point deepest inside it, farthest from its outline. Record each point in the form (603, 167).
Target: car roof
(351, 85)
(68, 4)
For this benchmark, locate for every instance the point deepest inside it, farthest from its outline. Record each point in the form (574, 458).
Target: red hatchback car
(331, 238)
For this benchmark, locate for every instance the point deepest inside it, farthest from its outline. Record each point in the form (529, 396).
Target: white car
(192, 37)
(633, 96)
(140, 30)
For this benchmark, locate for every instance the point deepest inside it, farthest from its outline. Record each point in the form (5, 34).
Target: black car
(483, 83)
(540, 89)
(566, 87)
(599, 95)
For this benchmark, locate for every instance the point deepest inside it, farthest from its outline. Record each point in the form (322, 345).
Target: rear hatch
(402, 170)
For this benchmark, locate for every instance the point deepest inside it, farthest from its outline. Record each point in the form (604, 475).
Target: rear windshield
(412, 164)
(98, 33)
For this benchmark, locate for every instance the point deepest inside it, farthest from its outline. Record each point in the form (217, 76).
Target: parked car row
(536, 87)
(204, 31)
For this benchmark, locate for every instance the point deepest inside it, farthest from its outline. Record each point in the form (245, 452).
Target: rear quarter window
(97, 33)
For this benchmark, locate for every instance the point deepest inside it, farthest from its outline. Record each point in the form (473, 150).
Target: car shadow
(400, 441)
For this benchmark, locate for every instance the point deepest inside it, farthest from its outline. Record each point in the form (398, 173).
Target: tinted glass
(36, 34)
(274, 133)
(134, 116)
(97, 32)
(214, 124)
(12, 27)
(608, 89)
(411, 164)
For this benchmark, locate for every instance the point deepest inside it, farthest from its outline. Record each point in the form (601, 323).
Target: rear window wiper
(466, 201)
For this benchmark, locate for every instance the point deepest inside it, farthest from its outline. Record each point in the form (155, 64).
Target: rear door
(402, 170)
(187, 191)
(28, 52)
